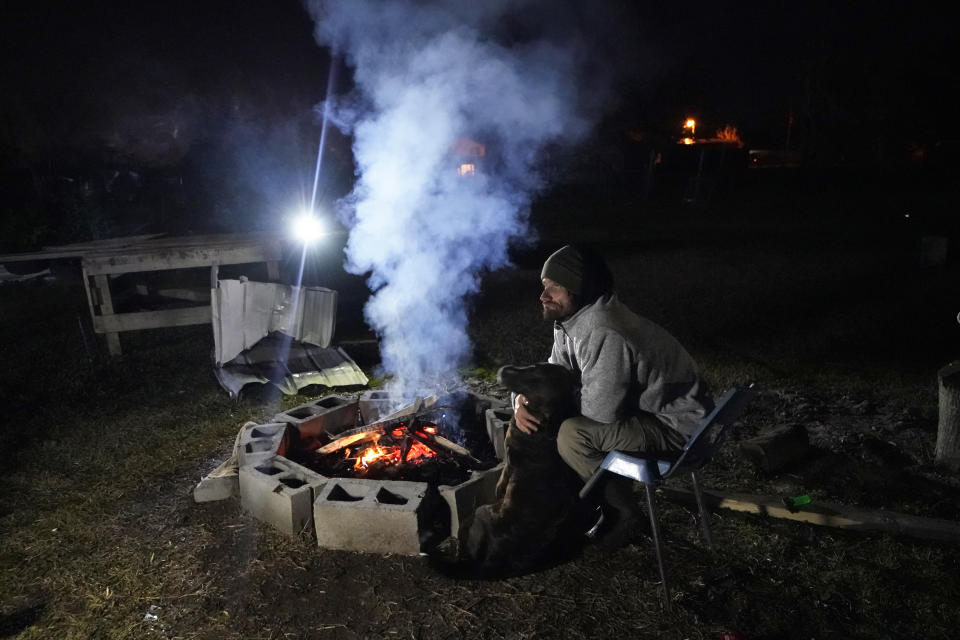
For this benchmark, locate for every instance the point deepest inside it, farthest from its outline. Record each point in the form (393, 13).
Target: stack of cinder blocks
(281, 492)
(353, 514)
(255, 442)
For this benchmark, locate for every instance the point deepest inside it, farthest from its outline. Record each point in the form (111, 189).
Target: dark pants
(583, 443)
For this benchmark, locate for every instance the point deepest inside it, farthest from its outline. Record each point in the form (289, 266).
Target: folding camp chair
(652, 469)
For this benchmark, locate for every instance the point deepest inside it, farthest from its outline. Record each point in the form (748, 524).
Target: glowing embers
(404, 449)
(398, 446)
(387, 455)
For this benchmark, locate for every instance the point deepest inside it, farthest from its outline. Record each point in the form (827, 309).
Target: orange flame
(730, 134)
(376, 452)
(390, 454)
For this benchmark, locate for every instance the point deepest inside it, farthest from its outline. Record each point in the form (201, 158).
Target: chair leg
(655, 530)
(704, 515)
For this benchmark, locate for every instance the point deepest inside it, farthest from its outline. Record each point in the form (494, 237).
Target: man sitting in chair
(639, 388)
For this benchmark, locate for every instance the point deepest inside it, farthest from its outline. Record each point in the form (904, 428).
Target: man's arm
(607, 372)
(523, 418)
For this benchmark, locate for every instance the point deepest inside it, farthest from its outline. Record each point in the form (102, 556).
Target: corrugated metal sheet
(290, 366)
(244, 312)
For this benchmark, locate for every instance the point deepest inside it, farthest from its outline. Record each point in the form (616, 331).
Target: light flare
(308, 228)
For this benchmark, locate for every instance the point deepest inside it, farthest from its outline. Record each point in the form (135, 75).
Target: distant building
(467, 156)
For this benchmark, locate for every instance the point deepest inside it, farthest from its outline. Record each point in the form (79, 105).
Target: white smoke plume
(506, 74)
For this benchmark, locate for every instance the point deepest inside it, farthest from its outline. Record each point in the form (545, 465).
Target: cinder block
(374, 515)
(281, 493)
(210, 489)
(482, 403)
(463, 499)
(330, 414)
(260, 442)
(377, 404)
(498, 420)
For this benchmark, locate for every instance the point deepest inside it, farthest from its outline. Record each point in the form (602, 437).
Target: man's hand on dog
(523, 418)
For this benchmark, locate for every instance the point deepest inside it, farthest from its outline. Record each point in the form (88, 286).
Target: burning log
(364, 434)
(440, 444)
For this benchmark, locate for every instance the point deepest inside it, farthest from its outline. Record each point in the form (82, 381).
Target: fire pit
(391, 485)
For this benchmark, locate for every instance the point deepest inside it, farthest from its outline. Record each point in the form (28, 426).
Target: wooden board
(181, 257)
(151, 319)
(77, 249)
(826, 514)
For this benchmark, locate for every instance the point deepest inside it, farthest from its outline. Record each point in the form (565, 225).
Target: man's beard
(553, 314)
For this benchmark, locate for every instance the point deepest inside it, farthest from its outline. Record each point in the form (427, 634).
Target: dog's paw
(448, 551)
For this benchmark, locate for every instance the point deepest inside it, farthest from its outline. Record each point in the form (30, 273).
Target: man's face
(558, 303)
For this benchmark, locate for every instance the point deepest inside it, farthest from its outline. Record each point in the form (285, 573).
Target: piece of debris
(224, 481)
(6, 276)
(152, 614)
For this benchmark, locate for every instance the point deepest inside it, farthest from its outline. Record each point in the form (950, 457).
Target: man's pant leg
(583, 443)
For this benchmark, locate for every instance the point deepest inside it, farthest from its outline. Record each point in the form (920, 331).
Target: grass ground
(100, 538)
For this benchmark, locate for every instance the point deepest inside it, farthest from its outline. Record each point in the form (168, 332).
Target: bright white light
(307, 228)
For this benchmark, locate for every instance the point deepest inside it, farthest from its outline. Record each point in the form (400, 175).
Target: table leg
(273, 271)
(102, 287)
(86, 287)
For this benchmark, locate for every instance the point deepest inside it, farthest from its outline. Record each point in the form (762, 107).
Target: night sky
(191, 88)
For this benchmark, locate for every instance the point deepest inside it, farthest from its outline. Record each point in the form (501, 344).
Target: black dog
(531, 521)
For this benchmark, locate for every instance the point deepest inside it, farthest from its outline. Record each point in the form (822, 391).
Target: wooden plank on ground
(152, 319)
(826, 514)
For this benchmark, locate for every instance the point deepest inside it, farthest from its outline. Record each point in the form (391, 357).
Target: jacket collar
(568, 323)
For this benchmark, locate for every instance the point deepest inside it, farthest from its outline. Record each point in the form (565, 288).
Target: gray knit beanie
(565, 267)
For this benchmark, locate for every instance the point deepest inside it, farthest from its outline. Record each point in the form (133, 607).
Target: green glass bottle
(794, 503)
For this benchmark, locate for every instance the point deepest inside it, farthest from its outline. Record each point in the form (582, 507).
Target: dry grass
(98, 528)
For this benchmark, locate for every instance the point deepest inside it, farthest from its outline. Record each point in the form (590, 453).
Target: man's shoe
(620, 530)
(623, 520)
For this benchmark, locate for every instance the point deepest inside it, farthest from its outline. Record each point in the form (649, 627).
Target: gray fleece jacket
(628, 365)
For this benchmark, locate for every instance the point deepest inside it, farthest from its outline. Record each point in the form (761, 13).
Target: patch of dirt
(230, 576)
(864, 451)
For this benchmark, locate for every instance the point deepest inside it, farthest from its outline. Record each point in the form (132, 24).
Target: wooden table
(103, 258)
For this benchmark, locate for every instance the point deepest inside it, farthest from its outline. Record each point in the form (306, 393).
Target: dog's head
(549, 388)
